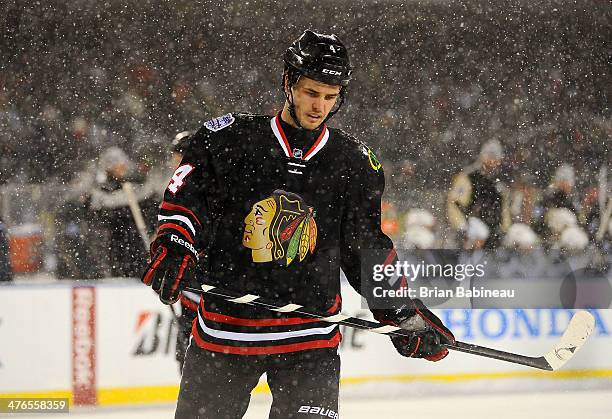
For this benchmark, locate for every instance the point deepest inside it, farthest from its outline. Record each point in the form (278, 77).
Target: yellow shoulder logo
(373, 161)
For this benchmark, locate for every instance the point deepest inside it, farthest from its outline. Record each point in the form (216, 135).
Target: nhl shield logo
(297, 153)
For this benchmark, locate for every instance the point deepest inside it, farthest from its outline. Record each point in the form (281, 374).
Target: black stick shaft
(539, 362)
(372, 326)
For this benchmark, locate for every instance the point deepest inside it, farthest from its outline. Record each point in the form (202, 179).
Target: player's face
(490, 165)
(313, 101)
(257, 225)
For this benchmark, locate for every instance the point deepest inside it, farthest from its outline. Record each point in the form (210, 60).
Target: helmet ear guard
(290, 78)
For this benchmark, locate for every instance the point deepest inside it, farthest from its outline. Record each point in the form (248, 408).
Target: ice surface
(558, 405)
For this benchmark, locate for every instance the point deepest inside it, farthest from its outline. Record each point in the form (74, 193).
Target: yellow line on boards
(160, 394)
(156, 394)
(129, 395)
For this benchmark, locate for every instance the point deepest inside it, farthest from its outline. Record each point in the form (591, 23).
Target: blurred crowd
(483, 211)
(85, 84)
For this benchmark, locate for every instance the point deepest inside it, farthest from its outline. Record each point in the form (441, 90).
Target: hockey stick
(140, 223)
(136, 213)
(579, 329)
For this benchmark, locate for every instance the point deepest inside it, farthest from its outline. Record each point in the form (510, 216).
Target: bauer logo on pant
(280, 228)
(317, 410)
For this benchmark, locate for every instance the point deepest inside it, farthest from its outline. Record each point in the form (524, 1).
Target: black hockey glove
(428, 333)
(173, 260)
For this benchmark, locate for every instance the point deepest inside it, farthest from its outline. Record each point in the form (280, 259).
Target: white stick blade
(579, 329)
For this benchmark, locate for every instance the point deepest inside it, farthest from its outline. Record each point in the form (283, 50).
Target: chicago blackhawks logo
(280, 228)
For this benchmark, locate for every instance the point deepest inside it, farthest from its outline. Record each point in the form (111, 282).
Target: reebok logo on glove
(176, 239)
(171, 267)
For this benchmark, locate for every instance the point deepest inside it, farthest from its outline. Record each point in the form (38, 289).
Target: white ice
(558, 405)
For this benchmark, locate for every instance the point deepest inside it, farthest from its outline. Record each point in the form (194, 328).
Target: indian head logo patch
(280, 228)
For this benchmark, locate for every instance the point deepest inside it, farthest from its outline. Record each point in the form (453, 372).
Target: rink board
(113, 343)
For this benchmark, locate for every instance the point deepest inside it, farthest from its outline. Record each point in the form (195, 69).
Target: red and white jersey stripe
(255, 336)
(284, 142)
(180, 220)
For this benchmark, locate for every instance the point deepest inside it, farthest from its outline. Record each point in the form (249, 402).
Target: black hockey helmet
(180, 141)
(320, 57)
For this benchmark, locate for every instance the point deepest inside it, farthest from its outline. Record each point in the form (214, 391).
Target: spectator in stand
(560, 192)
(597, 210)
(523, 256)
(521, 199)
(419, 230)
(476, 193)
(558, 195)
(521, 238)
(476, 235)
(557, 220)
(573, 239)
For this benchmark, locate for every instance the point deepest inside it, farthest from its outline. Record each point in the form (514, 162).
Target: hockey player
(278, 205)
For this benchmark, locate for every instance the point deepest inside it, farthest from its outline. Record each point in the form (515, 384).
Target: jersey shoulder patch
(217, 124)
(372, 160)
(357, 146)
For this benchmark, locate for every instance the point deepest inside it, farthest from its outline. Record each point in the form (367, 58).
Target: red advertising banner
(84, 345)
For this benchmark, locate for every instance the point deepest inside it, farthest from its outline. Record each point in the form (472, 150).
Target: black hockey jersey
(275, 221)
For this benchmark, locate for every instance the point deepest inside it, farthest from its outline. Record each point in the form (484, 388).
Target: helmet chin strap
(289, 97)
(293, 114)
(332, 113)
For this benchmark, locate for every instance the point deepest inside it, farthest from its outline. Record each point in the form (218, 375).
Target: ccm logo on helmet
(332, 72)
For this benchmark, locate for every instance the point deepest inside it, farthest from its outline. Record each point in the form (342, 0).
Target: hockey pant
(185, 323)
(214, 385)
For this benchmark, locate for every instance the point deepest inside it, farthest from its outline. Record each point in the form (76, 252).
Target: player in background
(278, 204)
(179, 144)
(477, 192)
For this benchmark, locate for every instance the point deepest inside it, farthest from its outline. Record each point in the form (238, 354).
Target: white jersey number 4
(178, 178)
